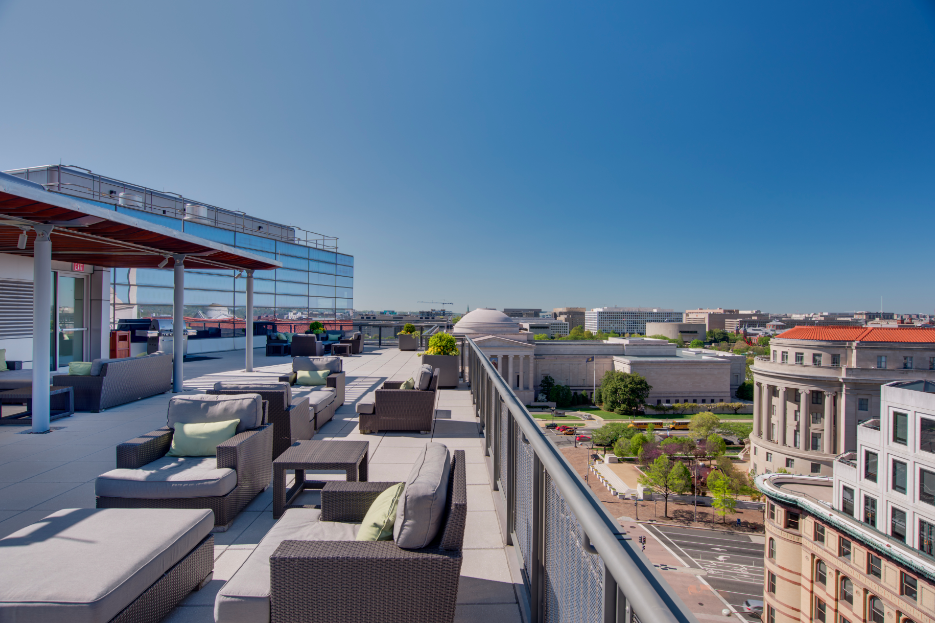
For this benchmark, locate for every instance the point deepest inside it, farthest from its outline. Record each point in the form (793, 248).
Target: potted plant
(316, 327)
(442, 353)
(407, 338)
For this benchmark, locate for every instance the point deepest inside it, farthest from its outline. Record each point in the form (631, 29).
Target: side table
(61, 404)
(341, 350)
(350, 456)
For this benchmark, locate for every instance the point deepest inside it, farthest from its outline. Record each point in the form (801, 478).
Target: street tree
(715, 446)
(696, 344)
(624, 391)
(725, 497)
(666, 477)
(546, 385)
(703, 424)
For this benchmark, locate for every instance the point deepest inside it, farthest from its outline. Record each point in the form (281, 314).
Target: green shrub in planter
(408, 329)
(442, 344)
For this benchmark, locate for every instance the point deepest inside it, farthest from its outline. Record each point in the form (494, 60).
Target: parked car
(582, 438)
(753, 606)
(568, 431)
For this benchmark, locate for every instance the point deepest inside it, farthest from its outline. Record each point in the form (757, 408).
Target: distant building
(522, 312)
(624, 320)
(740, 325)
(715, 318)
(685, 331)
(574, 316)
(545, 326)
(868, 315)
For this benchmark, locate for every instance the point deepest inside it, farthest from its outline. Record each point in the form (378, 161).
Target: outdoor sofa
(291, 417)
(323, 400)
(114, 382)
(119, 565)
(278, 344)
(146, 478)
(392, 408)
(330, 337)
(310, 568)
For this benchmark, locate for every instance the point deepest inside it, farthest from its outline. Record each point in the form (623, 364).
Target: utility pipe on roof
(41, 334)
(178, 323)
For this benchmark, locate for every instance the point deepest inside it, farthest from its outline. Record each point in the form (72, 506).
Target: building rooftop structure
(908, 334)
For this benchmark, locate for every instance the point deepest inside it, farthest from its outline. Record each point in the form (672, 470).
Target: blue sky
(778, 156)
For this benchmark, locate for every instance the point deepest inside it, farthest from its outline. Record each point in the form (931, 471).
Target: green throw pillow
(312, 377)
(3, 367)
(79, 368)
(201, 438)
(334, 336)
(378, 522)
(410, 384)
(280, 337)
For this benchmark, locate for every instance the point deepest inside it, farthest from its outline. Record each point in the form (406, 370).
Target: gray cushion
(86, 565)
(423, 377)
(97, 365)
(248, 388)
(245, 597)
(366, 404)
(169, 477)
(317, 363)
(320, 399)
(248, 408)
(422, 504)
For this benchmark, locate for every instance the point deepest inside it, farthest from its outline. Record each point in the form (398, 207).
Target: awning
(92, 234)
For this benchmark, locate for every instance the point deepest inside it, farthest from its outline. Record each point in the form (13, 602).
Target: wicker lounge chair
(114, 382)
(356, 341)
(391, 408)
(307, 345)
(326, 399)
(310, 568)
(292, 418)
(146, 478)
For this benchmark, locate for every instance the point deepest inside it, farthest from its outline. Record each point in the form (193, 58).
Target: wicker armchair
(356, 341)
(292, 418)
(119, 381)
(399, 409)
(277, 348)
(247, 454)
(376, 581)
(307, 345)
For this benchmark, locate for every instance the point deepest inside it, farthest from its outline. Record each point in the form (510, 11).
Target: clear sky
(778, 156)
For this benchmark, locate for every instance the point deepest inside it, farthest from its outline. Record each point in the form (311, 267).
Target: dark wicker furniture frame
(291, 422)
(247, 453)
(374, 581)
(61, 403)
(275, 347)
(306, 345)
(356, 342)
(120, 382)
(349, 456)
(401, 409)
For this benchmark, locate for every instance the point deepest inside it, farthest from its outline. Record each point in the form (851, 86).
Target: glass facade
(313, 283)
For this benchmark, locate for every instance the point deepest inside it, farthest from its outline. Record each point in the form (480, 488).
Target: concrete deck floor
(40, 474)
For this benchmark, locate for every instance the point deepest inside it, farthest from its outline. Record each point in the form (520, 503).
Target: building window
(927, 487)
(900, 428)
(870, 511)
(926, 435)
(817, 416)
(909, 586)
(799, 359)
(769, 457)
(907, 363)
(770, 582)
(898, 525)
(899, 477)
(847, 590)
(796, 438)
(816, 468)
(821, 572)
(772, 409)
(847, 501)
(795, 413)
(844, 548)
(770, 614)
(874, 566)
(785, 356)
(835, 361)
(931, 363)
(771, 551)
(841, 619)
(820, 610)
(772, 512)
(819, 533)
(773, 430)
(792, 521)
(772, 356)
(870, 466)
(863, 404)
(790, 463)
(876, 610)
(816, 360)
(881, 361)
(926, 538)
(816, 441)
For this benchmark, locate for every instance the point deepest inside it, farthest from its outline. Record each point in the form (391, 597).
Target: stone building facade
(574, 316)
(819, 383)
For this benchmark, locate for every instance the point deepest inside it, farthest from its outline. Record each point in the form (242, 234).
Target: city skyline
(642, 156)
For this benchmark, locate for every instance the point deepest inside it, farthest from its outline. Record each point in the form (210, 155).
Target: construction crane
(435, 302)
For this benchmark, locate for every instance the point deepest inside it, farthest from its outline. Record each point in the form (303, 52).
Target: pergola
(46, 225)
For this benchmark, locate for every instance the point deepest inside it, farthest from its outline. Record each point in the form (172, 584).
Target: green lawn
(608, 415)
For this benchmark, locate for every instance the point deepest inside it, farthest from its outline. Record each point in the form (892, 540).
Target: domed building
(483, 321)
(513, 352)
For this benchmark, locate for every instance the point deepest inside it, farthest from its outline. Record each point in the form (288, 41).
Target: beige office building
(574, 316)
(715, 318)
(819, 383)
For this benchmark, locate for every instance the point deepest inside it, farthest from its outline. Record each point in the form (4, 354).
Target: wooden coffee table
(61, 404)
(350, 456)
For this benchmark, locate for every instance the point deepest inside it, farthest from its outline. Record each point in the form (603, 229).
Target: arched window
(821, 572)
(847, 590)
(772, 548)
(876, 610)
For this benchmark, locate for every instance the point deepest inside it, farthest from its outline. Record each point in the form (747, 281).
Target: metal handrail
(648, 595)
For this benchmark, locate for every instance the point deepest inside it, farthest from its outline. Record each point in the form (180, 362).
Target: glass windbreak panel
(210, 233)
(900, 428)
(71, 323)
(926, 435)
(927, 486)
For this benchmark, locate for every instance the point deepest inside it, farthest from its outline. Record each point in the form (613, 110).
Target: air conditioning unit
(196, 213)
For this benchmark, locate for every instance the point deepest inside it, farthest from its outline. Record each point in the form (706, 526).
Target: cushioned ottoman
(113, 564)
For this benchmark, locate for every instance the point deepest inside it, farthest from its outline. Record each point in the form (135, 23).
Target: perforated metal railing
(577, 563)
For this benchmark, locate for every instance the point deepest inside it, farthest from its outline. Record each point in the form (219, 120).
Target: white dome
(486, 322)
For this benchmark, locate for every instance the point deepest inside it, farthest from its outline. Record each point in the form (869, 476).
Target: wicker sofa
(310, 568)
(291, 417)
(114, 382)
(146, 478)
(324, 400)
(392, 408)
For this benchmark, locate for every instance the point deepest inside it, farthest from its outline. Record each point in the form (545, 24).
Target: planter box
(448, 368)
(408, 342)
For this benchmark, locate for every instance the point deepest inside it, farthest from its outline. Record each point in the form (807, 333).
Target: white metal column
(178, 323)
(249, 329)
(41, 328)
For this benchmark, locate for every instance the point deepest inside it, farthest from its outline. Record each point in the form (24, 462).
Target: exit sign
(76, 267)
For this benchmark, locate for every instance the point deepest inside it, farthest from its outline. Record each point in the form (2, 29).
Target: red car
(582, 438)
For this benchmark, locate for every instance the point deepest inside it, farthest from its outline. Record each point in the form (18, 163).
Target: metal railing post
(537, 564)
